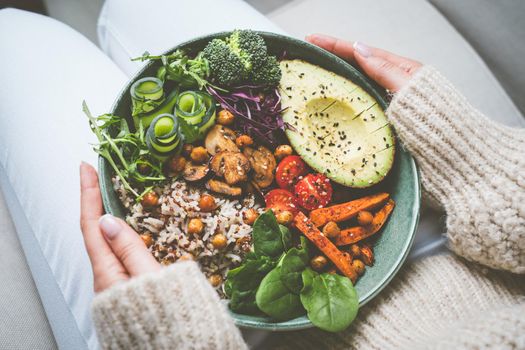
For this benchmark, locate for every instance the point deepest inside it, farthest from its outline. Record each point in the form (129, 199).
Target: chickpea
(355, 250)
(359, 266)
(318, 263)
(283, 151)
(186, 149)
(150, 200)
(285, 217)
(147, 239)
(215, 280)
(364, 218)
(225, 117)
(177, 163)
(249, 216)
(243, 141)
(186, 257)
(199, 154)
(331, 230)
(219, 241)
(195, 226)
(207, 203)
(332, 271)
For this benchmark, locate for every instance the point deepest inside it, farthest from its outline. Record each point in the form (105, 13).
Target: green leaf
(242, 283)
(275, 299)
(307, 276)
(331, 301)
(293, 264)
(269, 238)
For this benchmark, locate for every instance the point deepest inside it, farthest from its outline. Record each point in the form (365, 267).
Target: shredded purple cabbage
(258, 110)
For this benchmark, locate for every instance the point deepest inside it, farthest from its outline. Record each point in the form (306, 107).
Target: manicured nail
(110, 226)
(362, 49)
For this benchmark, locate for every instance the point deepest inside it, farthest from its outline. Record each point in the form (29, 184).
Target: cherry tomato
(313, 191)
(280, 200)
(289, 170)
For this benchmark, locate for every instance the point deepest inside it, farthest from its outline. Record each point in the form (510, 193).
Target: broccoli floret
(226, 66)
(241, 58)
(268, 74)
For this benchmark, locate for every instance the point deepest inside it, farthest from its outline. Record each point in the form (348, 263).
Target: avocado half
(335, 126)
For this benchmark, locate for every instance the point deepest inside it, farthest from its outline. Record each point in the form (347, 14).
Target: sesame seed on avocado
(338, 126)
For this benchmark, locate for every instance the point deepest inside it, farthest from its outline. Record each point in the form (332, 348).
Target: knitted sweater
(470, 166)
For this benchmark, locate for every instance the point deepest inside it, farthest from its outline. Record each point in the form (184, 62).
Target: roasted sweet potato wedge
(340, 260)
(358, 233)
(345, 211)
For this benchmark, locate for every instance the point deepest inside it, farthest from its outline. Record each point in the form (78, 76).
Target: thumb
(127, 246)
(385, 72)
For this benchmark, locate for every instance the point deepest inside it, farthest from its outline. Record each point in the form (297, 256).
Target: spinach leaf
(269, 238)
(330, 301)
(293, 264)
(275, 299)
(307, 276)
(242, 283)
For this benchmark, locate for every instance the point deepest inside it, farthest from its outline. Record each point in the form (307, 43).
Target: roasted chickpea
(364, 218)
(284, 218)
(331, 230)
(207, 203)
(249, 216)
(225, 117)
(195, 226)
(219, 241)
(186, 257)
(318, 263)
(199, 154)
(177, 163)
(215, 280)
(332, 271)
(147, 239)
(150, 200)
(359, 266)
(243, 141)
(283, 151)
(186, 149)
(355, 250)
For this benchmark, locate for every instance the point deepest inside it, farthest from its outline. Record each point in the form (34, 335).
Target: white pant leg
(46, 70)
(127, 28)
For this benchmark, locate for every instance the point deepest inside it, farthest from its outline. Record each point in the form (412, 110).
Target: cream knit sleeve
(173, 309)
(473, 167)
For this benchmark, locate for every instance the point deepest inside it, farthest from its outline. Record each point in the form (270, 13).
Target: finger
(338, 47)
(386, 73)
(128, 246)
(406, 64)
(107, 269)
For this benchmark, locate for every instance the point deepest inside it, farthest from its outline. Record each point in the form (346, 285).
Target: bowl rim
(300, 322)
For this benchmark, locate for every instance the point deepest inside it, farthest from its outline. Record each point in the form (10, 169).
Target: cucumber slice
(195, 132)
(166, 107)
(163, 137)
(146, 95)
(190, 107)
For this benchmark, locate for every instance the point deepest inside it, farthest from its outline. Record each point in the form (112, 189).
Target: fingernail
(110, 226)
(362, 49)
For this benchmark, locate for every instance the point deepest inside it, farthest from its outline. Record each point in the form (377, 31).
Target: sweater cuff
(448, 137)
(171, 309)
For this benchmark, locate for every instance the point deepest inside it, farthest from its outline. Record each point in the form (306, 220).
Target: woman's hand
(117, 253)
(389, 70)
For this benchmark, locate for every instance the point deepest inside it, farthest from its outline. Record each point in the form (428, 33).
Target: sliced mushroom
(223, 188)
(233, 166)
(195, 172)
(263, 164)
(219, 139)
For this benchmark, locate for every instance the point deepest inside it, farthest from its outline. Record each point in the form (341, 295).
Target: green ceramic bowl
(391, 246)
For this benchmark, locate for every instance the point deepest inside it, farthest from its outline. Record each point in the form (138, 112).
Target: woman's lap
(46, 70)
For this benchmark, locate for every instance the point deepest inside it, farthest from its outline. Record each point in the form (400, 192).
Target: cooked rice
(167, 225)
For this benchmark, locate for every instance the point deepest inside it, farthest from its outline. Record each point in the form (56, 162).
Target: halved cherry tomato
(289, 170)
(280, 200)
(313, 191)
